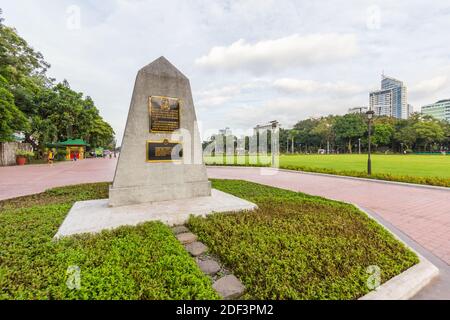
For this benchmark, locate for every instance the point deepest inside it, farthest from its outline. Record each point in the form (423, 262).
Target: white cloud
(310, 86)
(287, 111)
(430, 85)
(216, 96)
(282, 53)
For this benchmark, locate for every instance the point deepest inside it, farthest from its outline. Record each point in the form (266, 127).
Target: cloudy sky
(250, 61)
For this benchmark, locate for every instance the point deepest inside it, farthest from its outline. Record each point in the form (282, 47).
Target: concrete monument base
(96, 215)
(141, 194)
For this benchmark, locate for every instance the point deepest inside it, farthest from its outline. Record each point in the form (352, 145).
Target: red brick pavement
(423, 214)
(18, 181)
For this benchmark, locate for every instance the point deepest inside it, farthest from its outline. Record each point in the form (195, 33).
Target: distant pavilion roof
(73, 142)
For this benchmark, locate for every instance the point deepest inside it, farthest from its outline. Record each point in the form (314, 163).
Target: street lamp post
(274, 143)
(359, 145)
(369, 114)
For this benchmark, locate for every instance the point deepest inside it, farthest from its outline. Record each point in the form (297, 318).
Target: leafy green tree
(284, 140)
(350, 127)
(382, 134)
(32, 103)
(324, 130)
(407, 136)
(428, 132)
(11, 118)
(305, 135)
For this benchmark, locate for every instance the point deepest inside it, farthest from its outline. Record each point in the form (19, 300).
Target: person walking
(50, 157)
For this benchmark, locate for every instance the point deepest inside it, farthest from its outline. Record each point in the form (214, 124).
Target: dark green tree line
(419, 133)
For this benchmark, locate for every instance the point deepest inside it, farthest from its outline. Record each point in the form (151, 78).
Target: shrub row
(432, 181)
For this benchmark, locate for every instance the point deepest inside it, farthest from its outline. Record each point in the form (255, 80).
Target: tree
(324, 129)
(407, 136)
(284, 140)
(18, 60)
(32, 103)
(349, 128)
(304, 133)
(382, 134)
(428, 132)
(11, 118)
(291, 139)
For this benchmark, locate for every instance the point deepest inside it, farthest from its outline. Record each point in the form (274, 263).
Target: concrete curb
(408, 283)
(344, 177)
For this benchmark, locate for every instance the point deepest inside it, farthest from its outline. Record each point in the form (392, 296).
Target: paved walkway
(423, 214)
(18, 181)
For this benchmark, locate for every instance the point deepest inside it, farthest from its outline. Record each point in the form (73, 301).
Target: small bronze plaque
(164, 151)
(164, 114)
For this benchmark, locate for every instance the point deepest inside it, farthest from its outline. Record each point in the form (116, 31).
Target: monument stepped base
(96, 215)
(144, 194)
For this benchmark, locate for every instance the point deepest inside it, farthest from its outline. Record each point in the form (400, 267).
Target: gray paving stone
(186, 238)
(196, 248)
(229, 287)
(209, 266)
(180, 229)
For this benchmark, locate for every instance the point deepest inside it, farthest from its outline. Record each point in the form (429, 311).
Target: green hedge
(432, 181)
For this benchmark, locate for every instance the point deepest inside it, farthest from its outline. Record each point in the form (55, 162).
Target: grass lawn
(144, 262)
(297, 246)
(405, 165)
(294, 246)
(422, 169)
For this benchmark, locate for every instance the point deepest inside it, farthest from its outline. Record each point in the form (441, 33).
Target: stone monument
(161, 154)
(160, 173)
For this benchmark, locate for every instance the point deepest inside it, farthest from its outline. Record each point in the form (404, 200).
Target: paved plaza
(19, 181)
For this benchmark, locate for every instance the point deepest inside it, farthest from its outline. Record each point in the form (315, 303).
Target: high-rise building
(358, 110)
(391, 100)
(410, 110)
(440, 110)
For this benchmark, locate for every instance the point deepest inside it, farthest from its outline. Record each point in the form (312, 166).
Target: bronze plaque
(164, 151)
(164, 114)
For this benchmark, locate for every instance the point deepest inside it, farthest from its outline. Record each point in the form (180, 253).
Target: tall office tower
(391, 100)
(410, 110)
